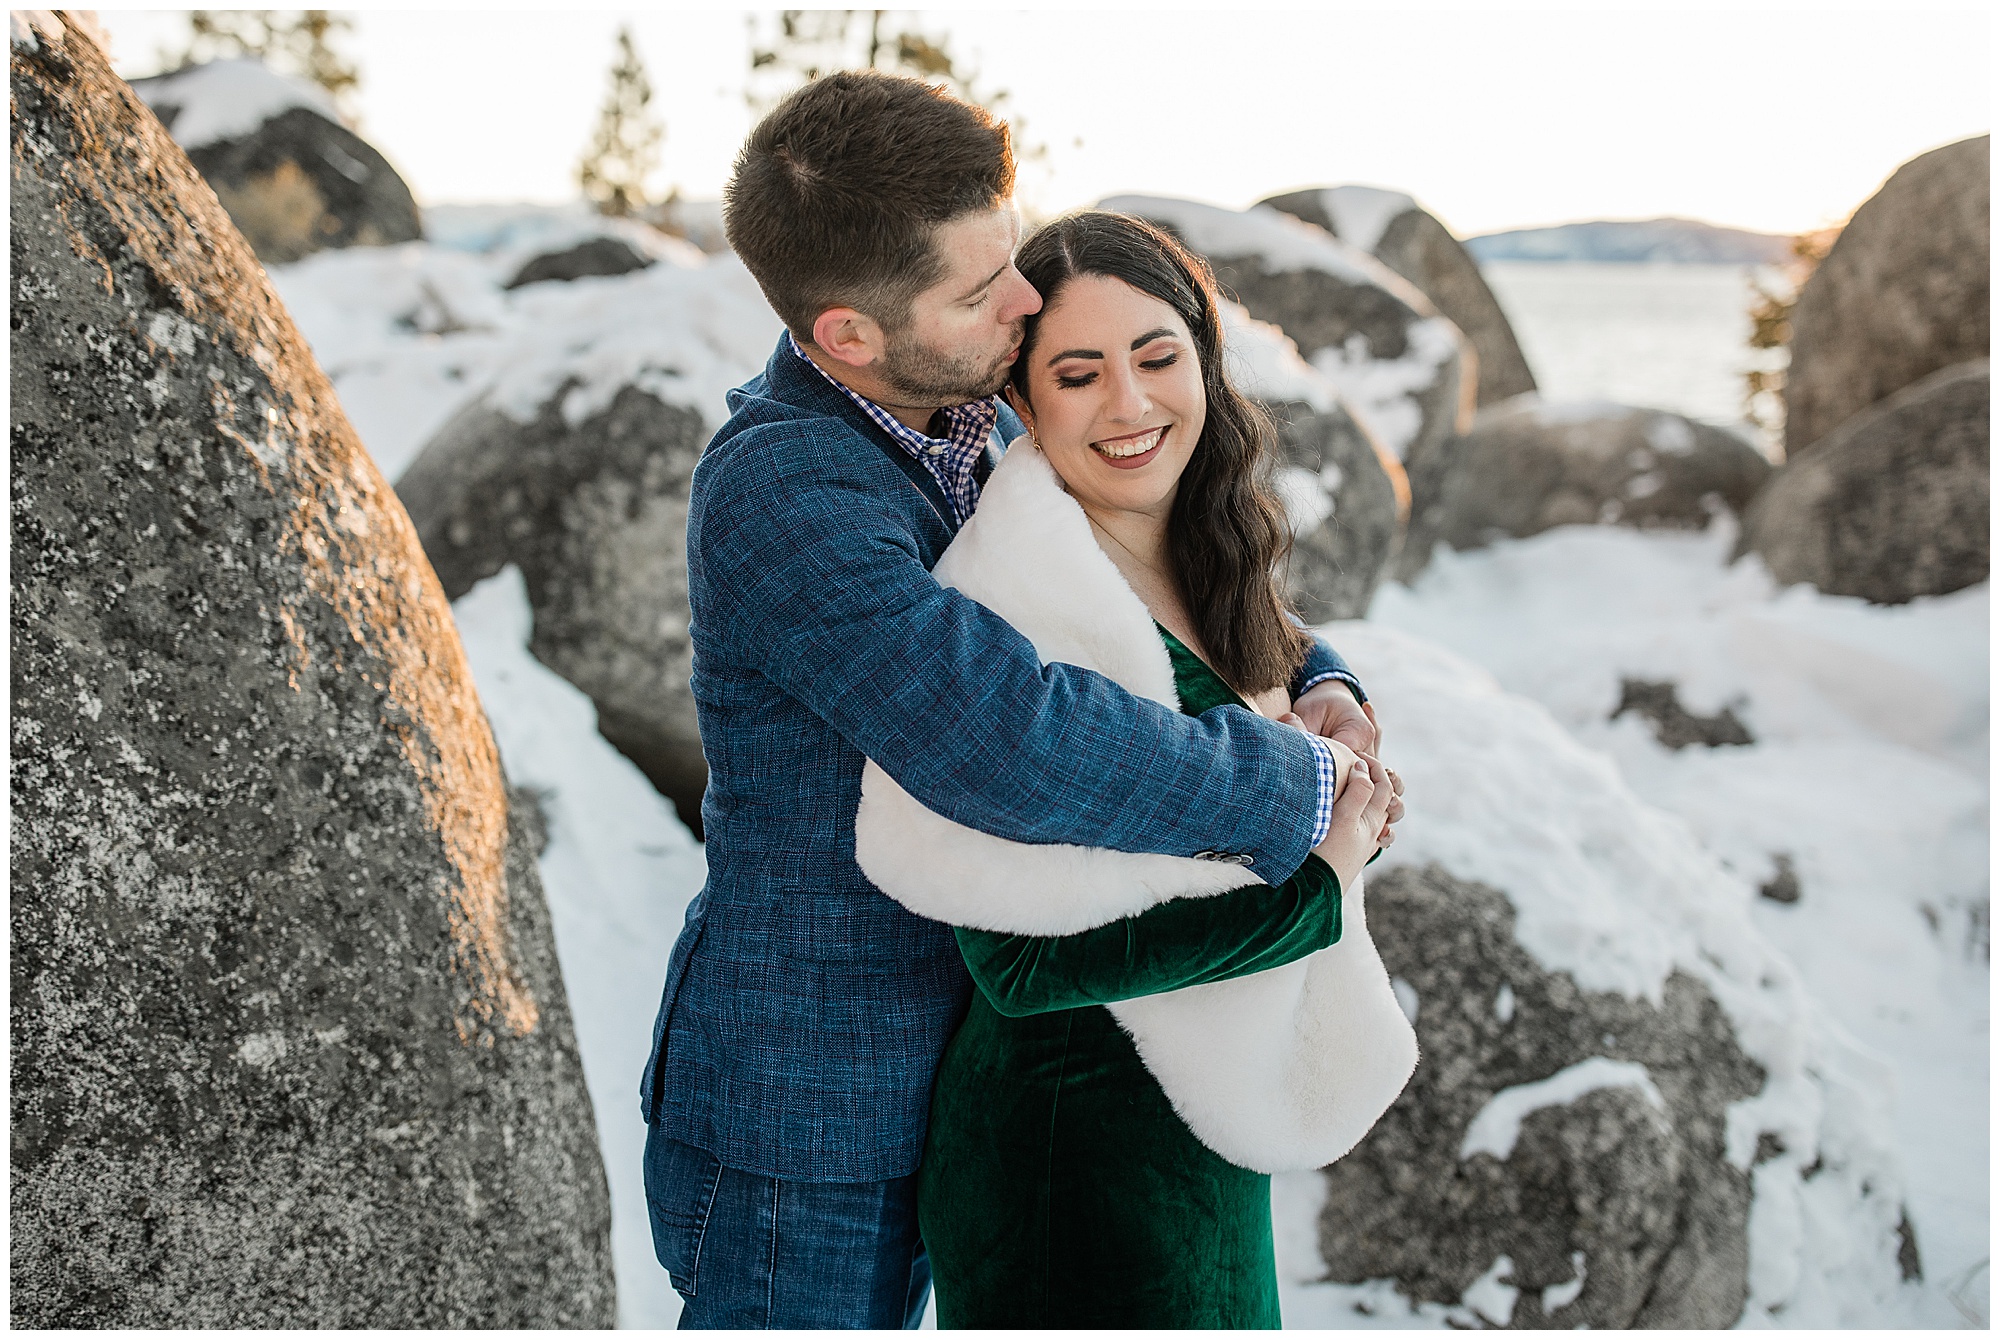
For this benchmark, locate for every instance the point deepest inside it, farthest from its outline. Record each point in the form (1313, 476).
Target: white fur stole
(1283, 1069)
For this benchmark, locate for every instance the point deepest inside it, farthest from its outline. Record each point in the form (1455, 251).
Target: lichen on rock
(290, 1043)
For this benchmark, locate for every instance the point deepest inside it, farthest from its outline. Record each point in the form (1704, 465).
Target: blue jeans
(749, 1252)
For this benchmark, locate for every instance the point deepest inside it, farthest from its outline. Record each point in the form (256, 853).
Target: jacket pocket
(681, 1182)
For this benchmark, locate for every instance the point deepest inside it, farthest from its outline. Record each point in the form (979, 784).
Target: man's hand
(1360, 819)
(1329, 709)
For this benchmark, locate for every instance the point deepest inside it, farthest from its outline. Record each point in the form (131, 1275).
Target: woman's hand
(1360, 818)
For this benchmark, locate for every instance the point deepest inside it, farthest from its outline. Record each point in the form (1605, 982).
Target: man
(804, 1012)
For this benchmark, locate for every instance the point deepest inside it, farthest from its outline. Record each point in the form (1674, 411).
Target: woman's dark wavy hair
(1227, 532)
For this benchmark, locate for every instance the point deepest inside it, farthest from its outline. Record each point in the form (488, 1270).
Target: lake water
(1668, 336)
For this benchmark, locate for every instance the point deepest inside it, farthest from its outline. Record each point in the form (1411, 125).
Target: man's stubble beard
(922, 375)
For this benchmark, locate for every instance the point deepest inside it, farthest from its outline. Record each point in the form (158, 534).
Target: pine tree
(297, 42)
(625, 148)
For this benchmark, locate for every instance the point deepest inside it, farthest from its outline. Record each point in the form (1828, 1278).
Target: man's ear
(848, 336)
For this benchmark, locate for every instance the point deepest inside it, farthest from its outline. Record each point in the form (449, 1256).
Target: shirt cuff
(1329, 781)
(1345, 677)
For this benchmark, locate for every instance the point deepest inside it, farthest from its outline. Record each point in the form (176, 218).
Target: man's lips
(1131, 451)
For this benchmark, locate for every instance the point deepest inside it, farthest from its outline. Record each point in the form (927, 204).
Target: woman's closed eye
(1071, 381)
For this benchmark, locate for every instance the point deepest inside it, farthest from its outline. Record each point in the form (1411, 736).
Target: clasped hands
(1370, 804)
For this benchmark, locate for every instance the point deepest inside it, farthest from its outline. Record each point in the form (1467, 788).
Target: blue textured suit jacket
(804, 1012)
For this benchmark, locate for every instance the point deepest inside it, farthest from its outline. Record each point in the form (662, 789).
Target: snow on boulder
(1345, 495)
(1894, 503)
(1528, 465)
(1629, 1110)
(1904, 293)
(1407, 238)
(291, 1046)
(1404, 370)
(575, 464)
(292, 177)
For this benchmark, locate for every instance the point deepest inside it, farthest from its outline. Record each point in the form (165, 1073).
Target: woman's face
(1115, 395)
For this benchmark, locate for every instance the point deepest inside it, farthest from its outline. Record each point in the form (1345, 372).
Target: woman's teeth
(1122, 447)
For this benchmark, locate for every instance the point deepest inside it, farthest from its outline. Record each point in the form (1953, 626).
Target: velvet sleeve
(1181, 943)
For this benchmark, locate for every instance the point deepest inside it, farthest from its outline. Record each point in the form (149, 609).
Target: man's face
(963, 332)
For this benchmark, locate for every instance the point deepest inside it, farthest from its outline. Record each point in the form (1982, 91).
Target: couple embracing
(1032, 938)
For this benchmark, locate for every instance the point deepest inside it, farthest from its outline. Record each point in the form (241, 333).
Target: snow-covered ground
(1869, 773)
(1869, 770)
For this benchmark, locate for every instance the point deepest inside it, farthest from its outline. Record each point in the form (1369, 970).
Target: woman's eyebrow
(1158, 332)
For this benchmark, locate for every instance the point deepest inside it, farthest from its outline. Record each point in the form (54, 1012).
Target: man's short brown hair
(838, 193)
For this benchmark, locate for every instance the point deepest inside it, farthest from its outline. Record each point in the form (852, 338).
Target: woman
(1090, 1166)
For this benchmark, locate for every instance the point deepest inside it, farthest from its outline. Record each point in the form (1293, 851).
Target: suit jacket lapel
(797, 384)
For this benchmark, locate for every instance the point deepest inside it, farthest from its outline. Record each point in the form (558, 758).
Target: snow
(1279, 240)
(1488, 1296)
(229, 99)
(1307, 497)
(1263, 362)
(1497, 1126)
(619, 872)
(1382, 394)
(1386, 392)
(1361, 214)
(411, 334)
(1869, 772)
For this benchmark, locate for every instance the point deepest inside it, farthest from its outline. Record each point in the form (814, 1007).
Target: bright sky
(1778, 120)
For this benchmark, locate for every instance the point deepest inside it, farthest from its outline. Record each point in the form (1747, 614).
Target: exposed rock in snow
(1407, 238)
(595, 515)
(291, 1047)
(1528, 864)
(1546, 1135)
(1406, 372)
(292, 178)
(1659, 702)
(1894, 503)
(1345, 494)
(596, 257)
(1905, 292)
(1527, 466)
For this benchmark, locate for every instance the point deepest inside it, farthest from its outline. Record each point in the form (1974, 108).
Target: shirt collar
(971, 422)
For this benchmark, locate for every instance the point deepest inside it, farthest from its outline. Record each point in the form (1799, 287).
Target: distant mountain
(1673, 241)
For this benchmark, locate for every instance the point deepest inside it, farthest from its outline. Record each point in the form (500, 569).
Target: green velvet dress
(1058, 1187)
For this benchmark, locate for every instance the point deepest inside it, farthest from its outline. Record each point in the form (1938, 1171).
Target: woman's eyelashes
(1070, 381)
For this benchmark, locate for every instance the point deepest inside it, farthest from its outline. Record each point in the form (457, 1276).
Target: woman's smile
(1134, 449)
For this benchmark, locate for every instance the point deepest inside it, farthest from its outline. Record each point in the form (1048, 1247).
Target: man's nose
(1023, 300)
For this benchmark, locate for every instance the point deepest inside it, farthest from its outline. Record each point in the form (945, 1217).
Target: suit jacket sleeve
(1324, 663)
(813, 577)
